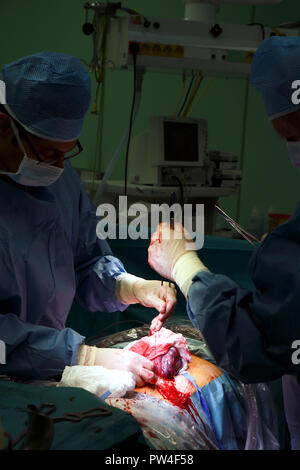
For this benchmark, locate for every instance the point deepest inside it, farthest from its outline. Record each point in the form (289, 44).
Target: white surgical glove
(173, 255)
(98, 380)
(131, 290)
(119, 359)
(141, 367)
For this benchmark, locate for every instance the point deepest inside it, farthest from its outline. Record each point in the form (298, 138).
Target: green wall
(234, 109)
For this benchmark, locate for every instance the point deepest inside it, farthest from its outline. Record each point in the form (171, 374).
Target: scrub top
(50, 255)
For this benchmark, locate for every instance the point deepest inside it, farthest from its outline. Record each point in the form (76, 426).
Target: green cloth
(96, 433)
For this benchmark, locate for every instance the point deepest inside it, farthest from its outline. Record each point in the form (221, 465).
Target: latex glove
(263, 236)
(141, 367)
(98, 380)
(131, 289)
(173, 255)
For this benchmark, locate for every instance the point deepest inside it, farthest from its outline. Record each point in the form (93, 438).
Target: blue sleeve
(34, 351)
(95, 266)
(250, 334)
(221, 310)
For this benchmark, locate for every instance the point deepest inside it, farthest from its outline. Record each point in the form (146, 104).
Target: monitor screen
(180, 141)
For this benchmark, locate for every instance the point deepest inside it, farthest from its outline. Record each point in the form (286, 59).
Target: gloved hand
(98, 380)
(141, 367)
(131, 290)
(173, 255)
(121, 359)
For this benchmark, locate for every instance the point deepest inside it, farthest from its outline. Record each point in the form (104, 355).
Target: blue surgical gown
(250, 334)
(49, 256)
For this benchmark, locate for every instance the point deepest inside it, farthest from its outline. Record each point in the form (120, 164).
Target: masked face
(32, 172)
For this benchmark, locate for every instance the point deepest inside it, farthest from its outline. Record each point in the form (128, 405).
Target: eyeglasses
(23, 133)
(67, 156)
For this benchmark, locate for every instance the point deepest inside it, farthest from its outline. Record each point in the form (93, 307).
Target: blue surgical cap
(48, 93)
(275, 67)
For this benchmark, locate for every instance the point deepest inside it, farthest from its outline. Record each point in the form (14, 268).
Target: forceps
(248, 236)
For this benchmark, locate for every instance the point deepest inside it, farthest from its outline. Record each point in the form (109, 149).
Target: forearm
(34, 351)
(233, 322)
(96, 284)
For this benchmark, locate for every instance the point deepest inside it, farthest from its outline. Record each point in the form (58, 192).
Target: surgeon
(252, 335)
(49, 250)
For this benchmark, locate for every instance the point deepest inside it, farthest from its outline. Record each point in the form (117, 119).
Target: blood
(151, 434)
(192, 408)
(127, 406)
(168, 390)
(155, 240)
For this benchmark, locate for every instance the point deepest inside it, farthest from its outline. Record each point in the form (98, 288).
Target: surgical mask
(294, 153)
(32, 172)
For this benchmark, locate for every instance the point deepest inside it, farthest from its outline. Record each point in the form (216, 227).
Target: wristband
(185, 268)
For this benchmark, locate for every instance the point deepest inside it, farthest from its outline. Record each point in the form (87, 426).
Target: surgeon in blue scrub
(252, 334)
(49, 250)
